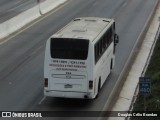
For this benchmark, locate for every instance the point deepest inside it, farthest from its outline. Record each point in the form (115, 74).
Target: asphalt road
(11, 8)
(22, 57)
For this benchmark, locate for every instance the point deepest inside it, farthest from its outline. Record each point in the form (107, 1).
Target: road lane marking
(34, 52)
(40, 102)
(125, 4)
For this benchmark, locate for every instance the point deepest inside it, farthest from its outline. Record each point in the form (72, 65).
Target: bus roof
(84, 28)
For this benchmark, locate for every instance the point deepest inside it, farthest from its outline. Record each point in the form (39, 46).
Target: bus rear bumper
(64, 94)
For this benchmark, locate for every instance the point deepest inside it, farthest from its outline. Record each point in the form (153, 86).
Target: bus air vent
(79, 30)
(105, 20)
(77, 19)
(90, 20)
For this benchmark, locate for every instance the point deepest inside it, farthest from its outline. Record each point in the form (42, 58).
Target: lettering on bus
(66, 69)
(70, 62)
(59, 61)
(67, 66)
(77, 62)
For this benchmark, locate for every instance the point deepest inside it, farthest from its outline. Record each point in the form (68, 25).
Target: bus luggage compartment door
(74, 81)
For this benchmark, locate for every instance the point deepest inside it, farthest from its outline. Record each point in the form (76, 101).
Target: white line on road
(34, 52)
(42, 100)
(125, 4)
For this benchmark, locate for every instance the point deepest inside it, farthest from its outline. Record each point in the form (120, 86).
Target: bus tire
(99, 87)
(111, 65)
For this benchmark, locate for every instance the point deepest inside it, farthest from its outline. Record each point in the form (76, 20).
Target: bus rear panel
(67, 68)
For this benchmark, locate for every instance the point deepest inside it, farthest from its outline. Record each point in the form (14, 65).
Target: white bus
(79, 58)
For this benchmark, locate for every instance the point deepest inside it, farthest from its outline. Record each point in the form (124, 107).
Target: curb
(123, 75)
(23, 19)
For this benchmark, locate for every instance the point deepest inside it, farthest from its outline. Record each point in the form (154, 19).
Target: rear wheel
(111, 65)
(99, 87)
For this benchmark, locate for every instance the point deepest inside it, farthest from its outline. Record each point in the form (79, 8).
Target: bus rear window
(68, 48)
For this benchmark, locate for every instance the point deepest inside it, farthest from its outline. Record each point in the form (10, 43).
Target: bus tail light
(45, 82)
(90, 84)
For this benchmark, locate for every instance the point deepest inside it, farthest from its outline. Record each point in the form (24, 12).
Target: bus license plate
(67, 86)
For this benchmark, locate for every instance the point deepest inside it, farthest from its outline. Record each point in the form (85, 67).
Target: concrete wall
(41, 7)
(47, 5)
(18, 21)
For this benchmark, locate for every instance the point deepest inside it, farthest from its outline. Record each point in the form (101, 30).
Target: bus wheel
(99, 85)
(111, 65)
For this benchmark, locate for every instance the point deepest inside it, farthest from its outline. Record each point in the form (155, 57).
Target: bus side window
(103, 44)
(95, 52)
(114, 28)
(105, 39)
(98, 49)
(110, 36)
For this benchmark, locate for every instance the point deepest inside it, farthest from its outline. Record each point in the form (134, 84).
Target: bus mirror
(116, 38)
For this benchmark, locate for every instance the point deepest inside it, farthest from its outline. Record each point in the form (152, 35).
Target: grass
(152, 102)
